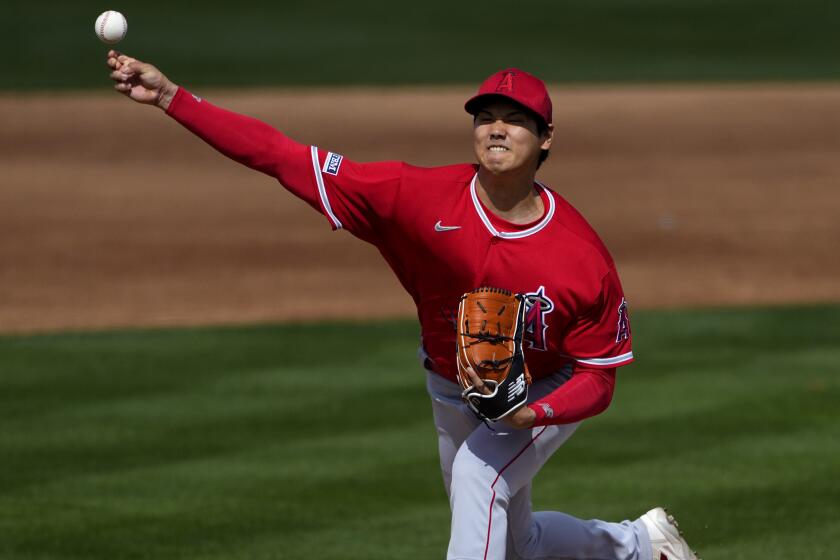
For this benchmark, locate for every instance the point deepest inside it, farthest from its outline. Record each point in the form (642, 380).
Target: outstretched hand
(140, 81)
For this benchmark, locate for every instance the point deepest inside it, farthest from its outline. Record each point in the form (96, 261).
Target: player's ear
(547, 136)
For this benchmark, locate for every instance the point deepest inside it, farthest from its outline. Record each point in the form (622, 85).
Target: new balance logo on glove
(517, 388)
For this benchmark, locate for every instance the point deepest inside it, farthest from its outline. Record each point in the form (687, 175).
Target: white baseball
(111, 27)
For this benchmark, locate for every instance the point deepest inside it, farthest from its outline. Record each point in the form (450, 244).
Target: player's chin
(498, 162)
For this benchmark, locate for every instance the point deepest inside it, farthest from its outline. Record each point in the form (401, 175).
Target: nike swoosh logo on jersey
(441, 227)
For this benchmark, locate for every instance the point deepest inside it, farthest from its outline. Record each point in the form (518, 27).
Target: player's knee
(472, 475)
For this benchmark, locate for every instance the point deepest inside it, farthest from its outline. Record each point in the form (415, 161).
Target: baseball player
(445, 231)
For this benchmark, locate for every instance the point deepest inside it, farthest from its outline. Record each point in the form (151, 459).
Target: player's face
(507, 138)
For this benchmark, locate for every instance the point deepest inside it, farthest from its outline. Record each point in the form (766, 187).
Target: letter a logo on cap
(507, 82)
(520, 86)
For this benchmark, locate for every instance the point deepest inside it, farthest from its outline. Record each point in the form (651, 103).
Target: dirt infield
(112, 215)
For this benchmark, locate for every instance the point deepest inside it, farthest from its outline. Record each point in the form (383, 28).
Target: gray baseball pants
(487, 475)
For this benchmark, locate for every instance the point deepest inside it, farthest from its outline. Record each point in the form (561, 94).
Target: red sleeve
(351, 195)
(358, 197)
(601, 337)
(586, 394)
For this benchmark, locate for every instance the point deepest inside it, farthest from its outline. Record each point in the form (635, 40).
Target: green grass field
(255, 43)
(316, 441)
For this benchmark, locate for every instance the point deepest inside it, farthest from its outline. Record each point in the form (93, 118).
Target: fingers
(128, 68)
(124, 80)
(478, 382)
(475, 380)
(140, 69)
(124, 75)
(132, 72)
(118, 60)
(115, 59)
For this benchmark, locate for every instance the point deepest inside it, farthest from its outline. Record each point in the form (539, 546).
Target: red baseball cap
(517, 85)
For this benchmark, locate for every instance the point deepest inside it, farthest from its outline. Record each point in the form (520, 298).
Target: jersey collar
(512, 234)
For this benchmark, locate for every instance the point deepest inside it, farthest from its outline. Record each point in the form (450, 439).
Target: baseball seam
(102, 25)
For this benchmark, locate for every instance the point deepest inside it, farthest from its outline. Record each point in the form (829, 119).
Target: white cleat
(665, 536)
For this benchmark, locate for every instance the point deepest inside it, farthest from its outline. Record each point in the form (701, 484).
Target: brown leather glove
(490, 328)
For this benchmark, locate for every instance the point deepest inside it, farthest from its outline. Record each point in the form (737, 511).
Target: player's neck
(512, 198)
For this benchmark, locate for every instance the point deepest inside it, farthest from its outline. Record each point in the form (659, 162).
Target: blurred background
(164, 324)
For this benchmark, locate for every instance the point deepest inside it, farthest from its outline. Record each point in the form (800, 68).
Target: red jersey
(431, 227)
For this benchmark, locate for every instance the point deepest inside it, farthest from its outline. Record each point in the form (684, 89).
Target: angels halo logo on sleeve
(623, 331)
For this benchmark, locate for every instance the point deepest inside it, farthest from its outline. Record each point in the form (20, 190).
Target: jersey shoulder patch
(332, 163)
